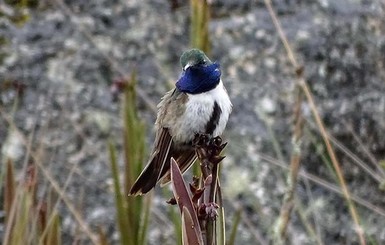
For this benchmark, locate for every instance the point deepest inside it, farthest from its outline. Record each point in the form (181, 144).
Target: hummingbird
(199, 104)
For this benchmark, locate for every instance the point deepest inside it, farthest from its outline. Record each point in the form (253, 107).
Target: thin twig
(367, 152)
(321, 182)
(316, 215)
(308, 226)
(351, 155)
(356, 159)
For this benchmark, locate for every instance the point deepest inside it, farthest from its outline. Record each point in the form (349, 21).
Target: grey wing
(152, 172)
(170, 110)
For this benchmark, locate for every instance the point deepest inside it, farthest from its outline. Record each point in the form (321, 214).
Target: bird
(199, 104)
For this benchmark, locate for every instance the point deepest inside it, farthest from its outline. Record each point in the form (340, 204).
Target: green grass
(132, 213)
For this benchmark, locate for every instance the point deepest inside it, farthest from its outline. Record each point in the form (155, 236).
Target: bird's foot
(202, 140)
(209, 147)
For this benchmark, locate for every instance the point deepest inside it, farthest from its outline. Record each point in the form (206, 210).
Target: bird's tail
(157, 165)
(146, 180)
(151, 174)
(158, 170)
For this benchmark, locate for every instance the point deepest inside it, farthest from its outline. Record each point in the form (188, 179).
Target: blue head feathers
(199, 79)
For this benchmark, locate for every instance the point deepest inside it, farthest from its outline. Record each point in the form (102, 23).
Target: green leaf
(121, 212)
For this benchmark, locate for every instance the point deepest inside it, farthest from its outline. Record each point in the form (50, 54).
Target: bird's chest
(204, 113)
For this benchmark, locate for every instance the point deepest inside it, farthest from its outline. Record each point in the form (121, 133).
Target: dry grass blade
(102, 236)
(19, 230)
(17, 203)
(336, 165)
(83, 225)
(288, 200)
(53, 183)
(367, 152)
(55, 218)
(308, 226)
(27, 219)
(316, 215)
(54, 231)
(356, 159)
(325, 184)
(302, 83)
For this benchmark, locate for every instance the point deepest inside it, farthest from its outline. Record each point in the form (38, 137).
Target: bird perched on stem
(199, 104)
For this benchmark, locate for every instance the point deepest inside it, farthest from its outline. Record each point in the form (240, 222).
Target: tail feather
(184, 159)
(151, 173)
(158, 168)
(146, 180)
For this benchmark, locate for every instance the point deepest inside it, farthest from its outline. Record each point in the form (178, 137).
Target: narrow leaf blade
(183, 198)
(189, 234)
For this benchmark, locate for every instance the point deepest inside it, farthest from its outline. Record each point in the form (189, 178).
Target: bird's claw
(202, 140)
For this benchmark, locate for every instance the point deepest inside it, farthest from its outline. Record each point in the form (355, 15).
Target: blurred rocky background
(59, 58)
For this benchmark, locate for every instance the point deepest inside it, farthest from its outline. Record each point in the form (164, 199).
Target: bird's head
(199, 73)
(194, 57)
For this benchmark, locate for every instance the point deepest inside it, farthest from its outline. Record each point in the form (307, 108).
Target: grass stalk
(305, 88)
(9, 189)
(335, 162)
(28, 222)
(133, 213)
(288, 200)
(121, 211)
(199, 25)
(321, 182)
(368, 153)
(308, 227)
(54, 231)
(221, 221)
(233, 233)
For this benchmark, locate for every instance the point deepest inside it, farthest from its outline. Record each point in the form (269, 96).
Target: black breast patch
(214, 119)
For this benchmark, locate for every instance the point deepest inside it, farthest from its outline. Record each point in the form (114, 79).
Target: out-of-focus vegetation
(28, 219)
(133, 213)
